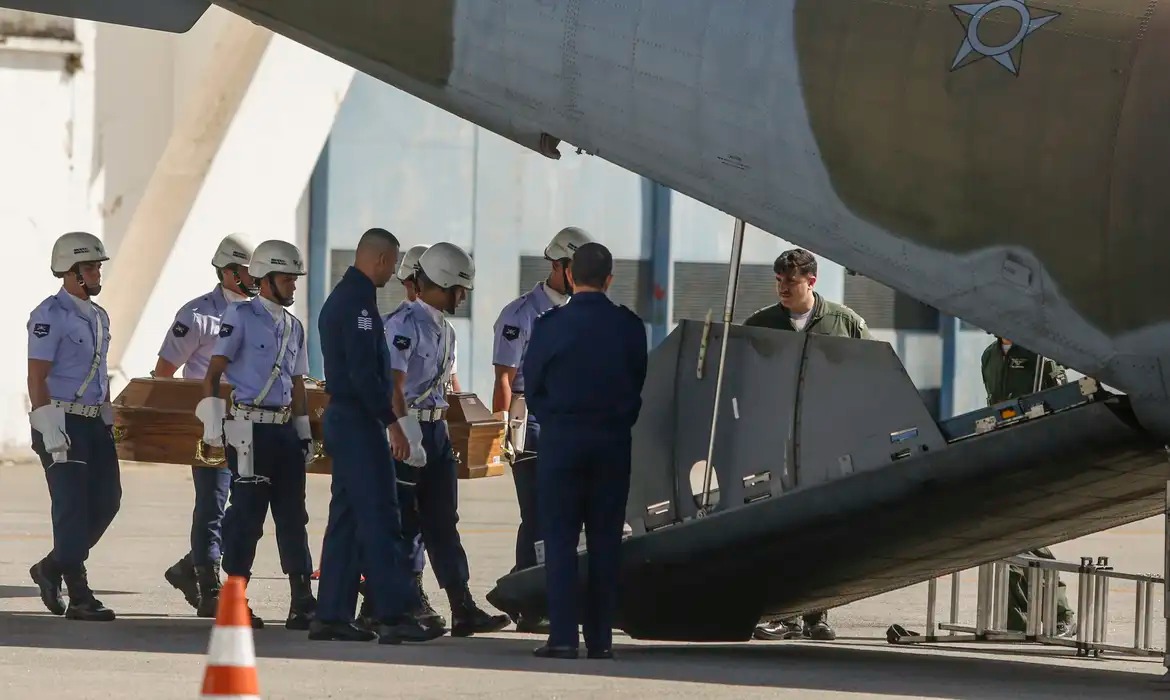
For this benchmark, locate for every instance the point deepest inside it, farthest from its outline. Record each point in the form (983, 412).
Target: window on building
(699, 286)
(630, 288)
(390, 296)
(888, 309)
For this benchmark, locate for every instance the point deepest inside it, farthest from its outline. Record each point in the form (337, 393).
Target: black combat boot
(425, 613)
(46, 574)
(320, 630)
(467, 618)
(532, 624)
(181, 575)
(816, 626)
(303, 605)
(82, 603)
(209, 586)
(406, 629)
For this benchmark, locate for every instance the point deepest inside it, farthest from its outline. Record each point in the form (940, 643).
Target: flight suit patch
(180, 330)
(511, 332)
(1017, 363)
(40, 330)
(401, 342)
(226, 330)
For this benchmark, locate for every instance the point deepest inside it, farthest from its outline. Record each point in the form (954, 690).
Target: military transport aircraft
(1004, 161)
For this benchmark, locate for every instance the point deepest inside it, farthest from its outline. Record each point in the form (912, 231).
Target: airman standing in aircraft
(1009, 372)
(421, 344)
(72, 423)
(188, 344)
(804, 310)
(265, 431)
(364, 531)
(583, 371)
(512, 331)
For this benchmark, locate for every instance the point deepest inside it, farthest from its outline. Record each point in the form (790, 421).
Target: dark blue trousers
(524, 477)
(433, 511)
(364, 532)
(583, 478)
(212, 486)
(85, 491)
(276, 454)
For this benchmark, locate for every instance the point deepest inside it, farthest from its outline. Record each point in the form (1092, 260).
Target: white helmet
(565, 243)
(448, 266)
(276, 256)
(406, 267)
(76, 247)
(232, 249)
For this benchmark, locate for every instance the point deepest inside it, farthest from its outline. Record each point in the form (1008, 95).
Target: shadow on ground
(840, 666)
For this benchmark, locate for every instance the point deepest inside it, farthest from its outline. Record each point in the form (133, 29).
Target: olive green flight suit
(1008, 376)
(827, 318)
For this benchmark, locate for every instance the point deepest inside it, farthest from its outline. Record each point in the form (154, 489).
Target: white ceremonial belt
(428, 415)
(78, 409)
(254, 414)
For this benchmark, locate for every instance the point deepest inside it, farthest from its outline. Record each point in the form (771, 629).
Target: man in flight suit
(512, 331)
(364, 532)
(72, 423)
(265, 430)
(1010, 372)
(802, 309)
(583, 372)
(188, 344)
(421, 344)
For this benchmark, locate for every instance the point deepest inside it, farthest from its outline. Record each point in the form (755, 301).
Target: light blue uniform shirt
(514, 328)
(414, 335)
(250, 339)
(193, 335)
(59, 331)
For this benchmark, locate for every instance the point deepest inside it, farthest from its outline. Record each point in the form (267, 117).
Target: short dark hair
(379, 237)
(795, 260)
(592, 263)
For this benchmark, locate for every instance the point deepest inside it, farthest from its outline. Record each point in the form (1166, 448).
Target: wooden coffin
(155, 421)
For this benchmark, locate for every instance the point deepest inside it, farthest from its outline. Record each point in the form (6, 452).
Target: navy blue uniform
(364, 533)
(584, 369)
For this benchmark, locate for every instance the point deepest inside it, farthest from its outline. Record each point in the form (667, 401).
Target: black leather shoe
(547, 652)
(467, 618)
(45, 574)
(338, 632)
(601, 654)
(408, 630)
(82, 603)
(182, 576)
(532, 625)
(303, 606)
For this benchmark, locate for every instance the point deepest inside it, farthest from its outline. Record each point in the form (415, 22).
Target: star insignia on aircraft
(1007, 54)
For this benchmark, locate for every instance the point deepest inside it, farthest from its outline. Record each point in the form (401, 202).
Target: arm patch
(225, 330)
(40, 330)
(511, 332)
(180, 330)
(401, 342)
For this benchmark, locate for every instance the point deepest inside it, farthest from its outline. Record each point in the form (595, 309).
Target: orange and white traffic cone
(231, 656)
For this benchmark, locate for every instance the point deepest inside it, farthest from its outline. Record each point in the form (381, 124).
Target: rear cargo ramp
(836, 484)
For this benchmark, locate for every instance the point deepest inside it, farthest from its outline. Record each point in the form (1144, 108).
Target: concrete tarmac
(156, 648)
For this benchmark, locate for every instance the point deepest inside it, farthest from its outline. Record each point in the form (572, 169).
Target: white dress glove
(414, 438)
(49, 421)
(108, 414)
(211, 411)
(305, 433)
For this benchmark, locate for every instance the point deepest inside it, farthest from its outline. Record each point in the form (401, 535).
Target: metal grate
(631, 281)
(390, 296)
(885, 308)
(701, 286)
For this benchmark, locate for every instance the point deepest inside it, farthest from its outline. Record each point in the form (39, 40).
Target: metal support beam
(656, 227)
(318, 256)
(949, 330)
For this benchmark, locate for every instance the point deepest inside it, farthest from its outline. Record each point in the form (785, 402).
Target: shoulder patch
(40, 330)
(180, 330)
(225, 330)
(401, 342)
(511, 332)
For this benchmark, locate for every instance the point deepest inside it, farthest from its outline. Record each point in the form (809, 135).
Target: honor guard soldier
(422, 353)
(188, 344)
(72, 423)
(803, 310)
(364, 532)
(583, 373)
(512, 330)
(265, 430)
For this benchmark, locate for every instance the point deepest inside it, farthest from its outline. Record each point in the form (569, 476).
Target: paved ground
(156, 647)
